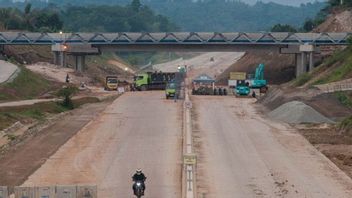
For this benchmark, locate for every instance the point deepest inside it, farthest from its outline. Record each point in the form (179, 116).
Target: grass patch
(303, 79)
(346, 126)
(36, 112)
(344, 98)
(343, 59)
(27, 85)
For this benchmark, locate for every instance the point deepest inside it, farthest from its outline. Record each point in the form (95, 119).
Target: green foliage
(343, 62)
(190, 15)
(27, 85)
(344, 98)
(131, 18)
(346, 3)
(346, 125)
(283, 28)
(32, 20)
(66, 93)
(303, 79)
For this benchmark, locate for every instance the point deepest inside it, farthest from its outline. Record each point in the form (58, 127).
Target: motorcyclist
(139, 176)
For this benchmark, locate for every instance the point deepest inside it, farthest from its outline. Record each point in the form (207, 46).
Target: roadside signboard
(237, 75)
(232, 83)
(190, 159)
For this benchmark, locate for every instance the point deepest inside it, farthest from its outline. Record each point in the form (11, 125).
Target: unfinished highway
(138, 130)
(240, 152)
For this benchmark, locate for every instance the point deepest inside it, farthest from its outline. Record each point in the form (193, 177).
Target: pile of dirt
(327, 104)
(279, 68)
(297, 112)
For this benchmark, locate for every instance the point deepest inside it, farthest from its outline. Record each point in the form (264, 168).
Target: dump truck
(111, 83)
(153, 80)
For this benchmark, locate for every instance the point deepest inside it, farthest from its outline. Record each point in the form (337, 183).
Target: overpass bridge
(303, 45)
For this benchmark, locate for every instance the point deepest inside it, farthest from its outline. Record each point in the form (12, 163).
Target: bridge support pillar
(80, 61)
(300, 64)
(311, 61)
(304, 55)
(60, 58)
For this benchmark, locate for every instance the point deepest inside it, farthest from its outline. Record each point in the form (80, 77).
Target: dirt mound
(279, 68)
(338, 21)
(298, 112)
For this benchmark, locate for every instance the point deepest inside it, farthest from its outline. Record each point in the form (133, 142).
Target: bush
(346, 126)
(66, 93)
(303, 79)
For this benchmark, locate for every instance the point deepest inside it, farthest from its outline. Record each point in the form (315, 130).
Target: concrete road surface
(139, 130)
(242, 155)
(6, 70)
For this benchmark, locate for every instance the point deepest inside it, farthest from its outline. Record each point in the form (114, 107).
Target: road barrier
(4, 192)
(345, 85)
(189, 158)
(51, 192)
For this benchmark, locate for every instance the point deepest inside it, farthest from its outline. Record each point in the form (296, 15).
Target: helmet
(139, 171)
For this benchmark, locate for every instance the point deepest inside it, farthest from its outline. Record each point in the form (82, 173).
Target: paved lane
(139, 130)
(243, 155)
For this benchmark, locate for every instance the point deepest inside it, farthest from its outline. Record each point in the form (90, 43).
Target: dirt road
(139, 130)
(243, 155)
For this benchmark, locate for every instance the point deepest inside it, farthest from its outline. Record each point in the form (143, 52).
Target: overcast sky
(286, 2)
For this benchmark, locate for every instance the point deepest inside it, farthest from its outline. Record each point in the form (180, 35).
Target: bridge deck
(181, 38)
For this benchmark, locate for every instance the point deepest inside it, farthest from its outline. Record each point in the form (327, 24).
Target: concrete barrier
(24, 192)
(66, 192)
(45, 192)
(51, 192)
(4, 193)
(87, 192)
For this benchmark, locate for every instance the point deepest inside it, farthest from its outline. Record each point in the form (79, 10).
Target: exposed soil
(22, 159)
(338, 21)
(326, 104)
(279, 68)
(332, 143)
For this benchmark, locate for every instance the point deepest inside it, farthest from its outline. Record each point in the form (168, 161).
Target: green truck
(153, 80)
(171, 90)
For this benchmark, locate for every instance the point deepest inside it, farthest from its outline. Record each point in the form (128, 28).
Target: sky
(285, 2)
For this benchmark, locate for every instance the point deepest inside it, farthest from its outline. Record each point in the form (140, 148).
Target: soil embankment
(279, 68)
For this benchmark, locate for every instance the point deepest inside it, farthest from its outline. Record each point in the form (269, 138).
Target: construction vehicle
(111, 83)
(259, 82)
(171, 90)
(242, 88)
(152, 80)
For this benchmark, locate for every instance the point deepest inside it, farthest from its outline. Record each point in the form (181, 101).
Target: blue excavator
(243, 87)
(259, 82)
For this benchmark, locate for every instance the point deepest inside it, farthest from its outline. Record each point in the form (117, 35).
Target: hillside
(338, 21)
(189, 15)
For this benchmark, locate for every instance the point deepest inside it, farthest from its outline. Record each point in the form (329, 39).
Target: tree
(309, 25)
(283, 28)
(136, 5)
(27, 9)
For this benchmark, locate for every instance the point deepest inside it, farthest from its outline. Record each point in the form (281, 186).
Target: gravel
(296, 112)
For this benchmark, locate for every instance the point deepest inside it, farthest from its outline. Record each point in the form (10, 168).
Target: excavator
(259, 82)
(243, 87)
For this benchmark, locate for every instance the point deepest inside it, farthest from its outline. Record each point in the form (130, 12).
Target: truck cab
(111, 83)
(141, 81)
(170, 90)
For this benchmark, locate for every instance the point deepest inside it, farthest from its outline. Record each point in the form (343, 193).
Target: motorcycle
(138, 188)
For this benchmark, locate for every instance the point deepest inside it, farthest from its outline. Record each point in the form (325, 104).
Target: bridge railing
(123, 38)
